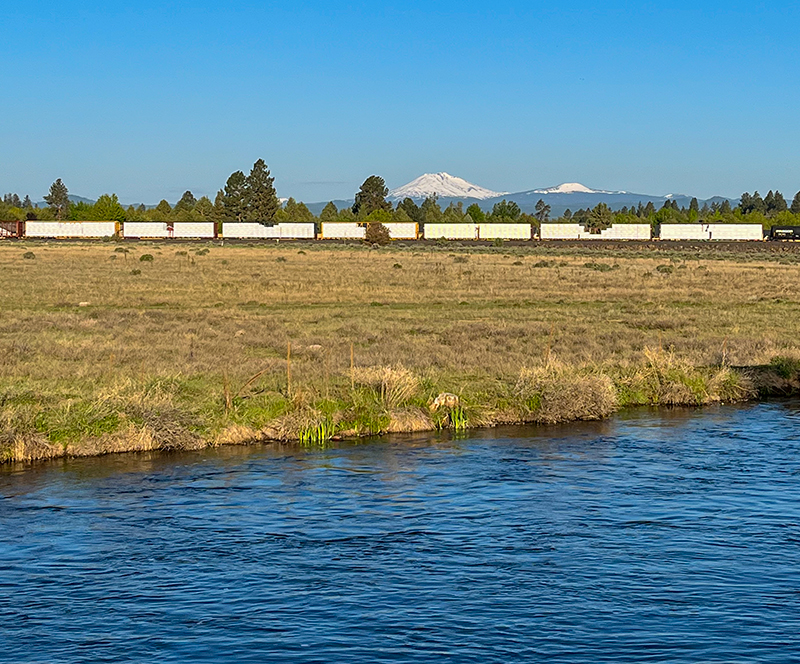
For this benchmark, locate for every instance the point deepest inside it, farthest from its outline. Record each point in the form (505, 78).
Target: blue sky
(149, 99)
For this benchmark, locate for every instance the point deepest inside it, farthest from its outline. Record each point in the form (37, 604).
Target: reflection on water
(666, 536)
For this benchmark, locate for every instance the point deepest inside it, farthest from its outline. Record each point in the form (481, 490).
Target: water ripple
(663, 537)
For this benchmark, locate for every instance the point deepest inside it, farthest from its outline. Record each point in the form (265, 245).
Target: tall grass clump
(558, 393)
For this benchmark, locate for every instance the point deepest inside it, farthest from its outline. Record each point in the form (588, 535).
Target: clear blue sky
(149, 99)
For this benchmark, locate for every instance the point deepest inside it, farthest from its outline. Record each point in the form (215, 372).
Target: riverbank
(103, 349)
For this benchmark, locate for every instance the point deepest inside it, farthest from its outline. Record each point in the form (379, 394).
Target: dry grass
(93, 357)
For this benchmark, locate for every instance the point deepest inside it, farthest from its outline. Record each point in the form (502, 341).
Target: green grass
(192, 350)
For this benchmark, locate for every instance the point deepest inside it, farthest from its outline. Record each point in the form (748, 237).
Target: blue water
(652, 537)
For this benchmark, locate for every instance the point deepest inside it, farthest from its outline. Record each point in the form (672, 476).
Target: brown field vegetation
(101, 351)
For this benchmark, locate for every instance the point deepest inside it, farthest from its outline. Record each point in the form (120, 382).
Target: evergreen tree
(477, 214)
(297, 211)
(508, 210)
(412, 210)
(601, 217)
(371, 197)
(107, 208)
(769, 202)
(58, 199)
(649, 210)
(694, 206)
(329, 212)
(758, 203)
(796, 203)
(543, 211)
(234, 197)
(219, 207)
(204, 209)
(453, 214)
(187, 202)
(162, 211)
(725, 207)
(779, 204)
(261, 200)
(401, 216)
(431, 212)
(26, 204)
(567, 214)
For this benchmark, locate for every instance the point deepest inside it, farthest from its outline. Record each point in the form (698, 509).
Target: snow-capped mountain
(442, 185)
(573, 188)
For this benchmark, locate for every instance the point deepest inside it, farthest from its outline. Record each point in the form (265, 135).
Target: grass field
(103, 351)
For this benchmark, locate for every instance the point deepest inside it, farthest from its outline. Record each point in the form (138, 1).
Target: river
(658, 536)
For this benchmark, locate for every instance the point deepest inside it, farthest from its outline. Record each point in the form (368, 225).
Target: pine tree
(371, 197)
(162, 211)
(107, 208)
(261, 200)
(725, 207)
(329, 212)
(297, 212)
(779, 204)
(187, 202)
(506, 210)
(412, 210)
(234, 197)
(769, 202)
(58, 199)
(796, 203)
(543, 211)
(27, 204)
(430, 210)
(600, 217)
(694, 206)
(758, 203)
(478, 215)
(204, 208)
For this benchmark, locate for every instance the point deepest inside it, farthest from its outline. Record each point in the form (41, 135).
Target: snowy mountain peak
(573, 188)
(443, 185)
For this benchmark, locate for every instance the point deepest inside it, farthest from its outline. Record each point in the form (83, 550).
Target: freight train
(209, 230)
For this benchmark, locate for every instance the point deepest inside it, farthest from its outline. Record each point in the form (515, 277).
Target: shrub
(556, 393)
(29, 255)
(396, 385)
(146, 258)
(280, 259)
(665, 269)
(135, 272)
(377, 233)
(397, 266)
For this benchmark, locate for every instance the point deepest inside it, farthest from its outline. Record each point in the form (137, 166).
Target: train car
(10, 229)
(146, 230)
(450, 231)
(194, 230)
(785, 233)
(297, 230)
(342, 230)
(504, 231)
(71, 229)
(555, 231)
(244, 230)
(728, 232)
(402, 230)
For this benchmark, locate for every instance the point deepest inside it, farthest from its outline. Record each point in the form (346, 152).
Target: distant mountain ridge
(568, 195)
(451, 189)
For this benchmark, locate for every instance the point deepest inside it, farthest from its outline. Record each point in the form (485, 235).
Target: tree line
(253, 198)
